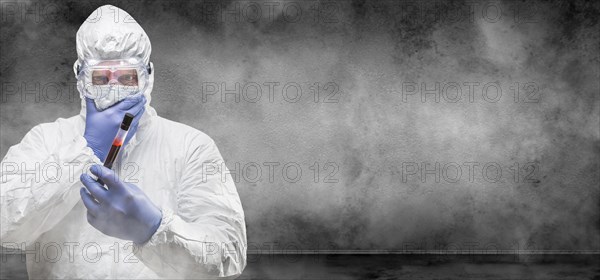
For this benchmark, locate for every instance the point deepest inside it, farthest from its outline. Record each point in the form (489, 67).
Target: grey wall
(373, 129)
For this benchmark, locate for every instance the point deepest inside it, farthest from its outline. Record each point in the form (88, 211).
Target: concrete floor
(423, 267)
(398, 267)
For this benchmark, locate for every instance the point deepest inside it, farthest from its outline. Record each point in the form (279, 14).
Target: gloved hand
(102, 126)
(123, 211)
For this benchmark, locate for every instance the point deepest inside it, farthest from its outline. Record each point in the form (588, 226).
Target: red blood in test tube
(118, 142)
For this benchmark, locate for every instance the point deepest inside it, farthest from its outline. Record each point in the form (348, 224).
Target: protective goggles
(128, 76)
(125, 76)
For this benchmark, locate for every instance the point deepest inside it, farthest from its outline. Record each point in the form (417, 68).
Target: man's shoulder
(60, 126)
(54, 134)
(182, 132)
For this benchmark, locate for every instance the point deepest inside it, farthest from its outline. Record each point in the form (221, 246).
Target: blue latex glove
(102, 126)
(123, 211)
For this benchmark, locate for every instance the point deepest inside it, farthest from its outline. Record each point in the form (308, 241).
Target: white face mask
(108, 95)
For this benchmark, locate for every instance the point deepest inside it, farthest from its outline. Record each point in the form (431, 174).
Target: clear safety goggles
(127, 76)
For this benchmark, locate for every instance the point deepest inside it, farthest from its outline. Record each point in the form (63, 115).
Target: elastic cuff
(80, 143)
(160, 236)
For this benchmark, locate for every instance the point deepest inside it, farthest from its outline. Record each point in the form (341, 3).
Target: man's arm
(40, 181)
(206, 235)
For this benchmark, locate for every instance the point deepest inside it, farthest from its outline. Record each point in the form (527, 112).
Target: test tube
(118, 141)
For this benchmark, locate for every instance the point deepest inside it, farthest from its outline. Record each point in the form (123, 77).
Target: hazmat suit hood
(110, 33)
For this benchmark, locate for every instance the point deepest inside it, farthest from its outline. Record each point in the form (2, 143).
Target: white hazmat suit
(202, 233)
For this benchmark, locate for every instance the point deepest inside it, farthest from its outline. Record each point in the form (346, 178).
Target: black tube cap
(127, 119)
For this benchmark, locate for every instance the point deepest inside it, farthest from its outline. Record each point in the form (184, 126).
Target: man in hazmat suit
(169, 209)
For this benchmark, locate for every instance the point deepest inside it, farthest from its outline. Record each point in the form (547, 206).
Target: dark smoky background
(411, 95)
